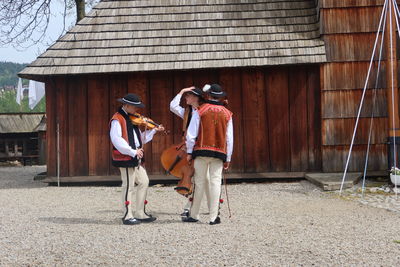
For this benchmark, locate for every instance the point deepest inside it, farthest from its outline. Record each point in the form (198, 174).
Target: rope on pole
(396, 15)
(363, 96)
(374, 104)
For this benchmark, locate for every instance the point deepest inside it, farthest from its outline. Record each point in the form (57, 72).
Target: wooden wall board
(334, 158)
(350, 75)
(349, 20)
(62, 118)
(77, 126)
(98, 125)
(161, 94)
(204, 76)
(231, 81)
(51, 127)
(277, 102)
(138, 83)
(255, 121)
(117, 86)
(350, 47)
(345, 103)
(349, 3)
(340, 131)
(314, 119)
(298, 119)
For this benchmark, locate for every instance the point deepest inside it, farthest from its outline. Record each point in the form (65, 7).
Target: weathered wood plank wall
(276, 110)
(348, 29)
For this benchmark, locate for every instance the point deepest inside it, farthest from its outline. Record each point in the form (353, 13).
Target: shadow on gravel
(16, 177)
(108, 211)
(64, 220)
(173, 182)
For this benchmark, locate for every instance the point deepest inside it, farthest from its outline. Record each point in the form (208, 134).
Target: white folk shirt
(176, 108)
(193, 132)
(122, 145)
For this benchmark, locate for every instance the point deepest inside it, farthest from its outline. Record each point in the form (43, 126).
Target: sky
(10, 54)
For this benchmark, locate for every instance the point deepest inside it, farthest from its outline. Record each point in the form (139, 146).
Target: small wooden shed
(21, 137)
(292, 69)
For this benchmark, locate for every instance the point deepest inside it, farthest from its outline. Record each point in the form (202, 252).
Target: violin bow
(143, 139)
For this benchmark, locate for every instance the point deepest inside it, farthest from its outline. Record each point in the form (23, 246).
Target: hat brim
(192, 93)
(217, 95)
(123, 101)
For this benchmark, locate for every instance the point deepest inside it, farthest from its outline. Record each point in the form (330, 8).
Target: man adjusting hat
(209, 142)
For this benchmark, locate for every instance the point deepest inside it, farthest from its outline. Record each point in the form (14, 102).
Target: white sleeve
(192, 132)
(229, 140)
(147, 136)
(118, 142)
(175, 107)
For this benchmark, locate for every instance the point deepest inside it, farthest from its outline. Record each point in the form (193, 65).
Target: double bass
(174, 161)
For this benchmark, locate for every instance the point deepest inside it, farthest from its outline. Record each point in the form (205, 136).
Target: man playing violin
(127, 154)
(209, 142)
(194, 99)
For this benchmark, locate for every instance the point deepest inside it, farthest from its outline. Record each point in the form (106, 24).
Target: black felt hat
(131, 99)
(196, 91)
(215, 90)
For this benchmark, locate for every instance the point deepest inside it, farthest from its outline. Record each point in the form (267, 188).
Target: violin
(140, 120)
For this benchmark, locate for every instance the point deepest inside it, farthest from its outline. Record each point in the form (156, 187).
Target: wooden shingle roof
(20, 122)
(148, 35)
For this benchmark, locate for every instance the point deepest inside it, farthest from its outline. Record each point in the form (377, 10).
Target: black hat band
(131, 102)
(217, 93)
(194, 92)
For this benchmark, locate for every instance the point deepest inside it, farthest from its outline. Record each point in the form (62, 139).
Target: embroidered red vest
(211, 140)
(119, 159)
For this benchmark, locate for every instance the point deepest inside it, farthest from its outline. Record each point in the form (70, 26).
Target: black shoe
(147, 220)
(130, 221)
(189, 219)
(216, 221)
(185, 213)
(148, 214)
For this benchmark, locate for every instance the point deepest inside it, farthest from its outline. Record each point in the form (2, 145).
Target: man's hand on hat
(184, 90)
(139, 153)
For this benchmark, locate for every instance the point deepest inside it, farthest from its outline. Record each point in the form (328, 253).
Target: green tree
(8, 73)
(8, 103)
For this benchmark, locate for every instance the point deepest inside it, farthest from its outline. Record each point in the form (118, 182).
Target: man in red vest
(194, 98)
(209, 142)
(127, 154)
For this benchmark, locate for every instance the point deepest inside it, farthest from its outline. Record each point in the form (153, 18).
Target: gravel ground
(272, 224)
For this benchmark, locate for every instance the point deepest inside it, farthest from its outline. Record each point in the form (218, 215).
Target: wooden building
(22, 137)
(348, 29)
(293, 70)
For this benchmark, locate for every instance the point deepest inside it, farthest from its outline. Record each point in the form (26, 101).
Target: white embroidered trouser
(130, 177)
(214, 166)
(206, 190)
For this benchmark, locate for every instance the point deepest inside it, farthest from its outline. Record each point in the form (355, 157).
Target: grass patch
(396, 241)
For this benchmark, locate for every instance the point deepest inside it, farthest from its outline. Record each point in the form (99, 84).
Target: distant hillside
(8, 73)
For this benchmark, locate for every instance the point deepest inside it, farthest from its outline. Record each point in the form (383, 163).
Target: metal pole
(58, 154)
(392, 85)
